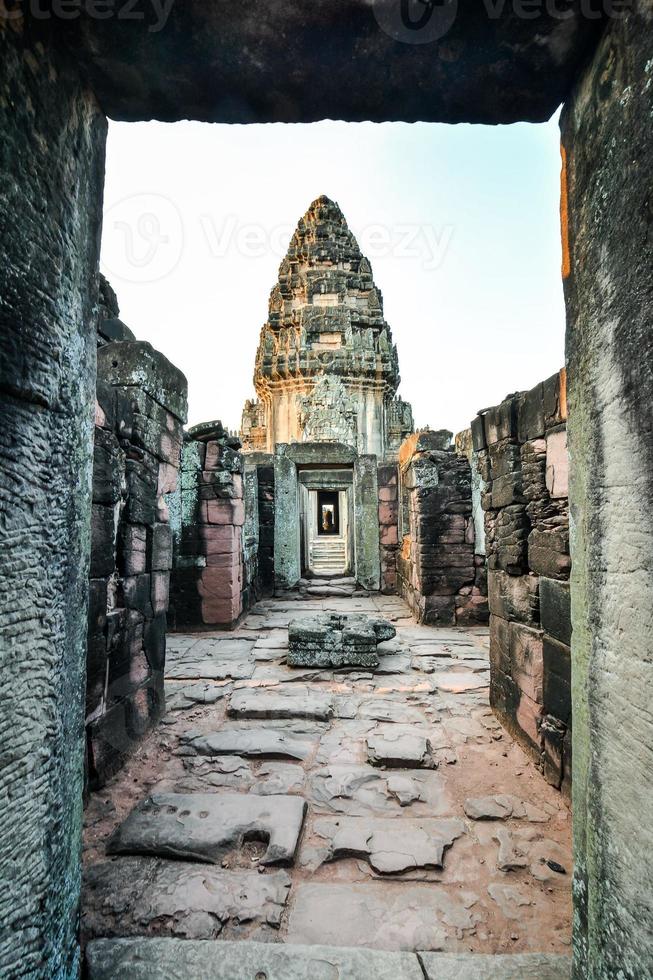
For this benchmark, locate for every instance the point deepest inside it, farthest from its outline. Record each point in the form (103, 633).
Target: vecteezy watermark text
(425, 21)
(145, 237)
(153, 13)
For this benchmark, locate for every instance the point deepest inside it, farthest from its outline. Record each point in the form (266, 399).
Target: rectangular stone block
(160, 592)
(108, 467)
(218, 583)
(557, 679)
(223, 512)
(388, 534)
(557, 463)
(388, 494)
(548, 552)
(220, 611)
(500, 421)
(478, 434)
(220, 539)
(527, 660)
(133, 549)
(167, 479)
(500, 645)
(141, 492)
(530, 414)
(514, 597)
(137, 593)
(555, 609)
(103, 540)
(161, 548)
(388, 512)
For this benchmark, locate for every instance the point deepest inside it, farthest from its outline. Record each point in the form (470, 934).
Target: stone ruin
(334, 640)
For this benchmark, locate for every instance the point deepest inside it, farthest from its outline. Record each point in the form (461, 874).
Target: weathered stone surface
(207, 669)
(109, 958)
(555, 609)
(135, 364)
(49, 245)
(417, 916)
(520, 966)
(389, 847)
(362, 790)
(490, 807)
(207, 826)
(265, 742)
(399, 749)
(148, 896)
(296, 703)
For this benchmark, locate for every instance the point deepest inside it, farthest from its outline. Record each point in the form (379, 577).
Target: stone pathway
(384, 810)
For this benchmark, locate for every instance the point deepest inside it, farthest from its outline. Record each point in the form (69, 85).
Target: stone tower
(326, 367)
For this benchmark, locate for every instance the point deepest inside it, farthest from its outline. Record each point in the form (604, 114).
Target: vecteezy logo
(415, 21)
(143, 238)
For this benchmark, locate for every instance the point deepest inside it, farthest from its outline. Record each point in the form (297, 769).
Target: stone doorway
(325, 525)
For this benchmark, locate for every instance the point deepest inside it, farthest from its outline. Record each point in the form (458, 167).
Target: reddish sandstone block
(389, 535)
(527, 660)
(219, 539)
(160, 591)
(221, 611)
(388, 493)
(388, 512)
(218, 583)
(224, 512)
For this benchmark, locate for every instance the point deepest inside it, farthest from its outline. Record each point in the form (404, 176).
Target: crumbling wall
(520, 449)
(388, 483)
(214, 572)
(140, 411)
(438, 574)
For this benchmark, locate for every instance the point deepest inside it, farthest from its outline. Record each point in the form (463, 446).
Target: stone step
(152, 959)
(301, 702)
(208, 826)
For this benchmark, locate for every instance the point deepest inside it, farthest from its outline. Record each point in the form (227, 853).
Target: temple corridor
(426, 828)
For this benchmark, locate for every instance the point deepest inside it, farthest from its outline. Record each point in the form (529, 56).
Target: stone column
(366, 522)
(607, 212)
(51, 177)
(287, 563)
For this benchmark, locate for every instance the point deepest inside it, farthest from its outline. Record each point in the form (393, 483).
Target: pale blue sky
(460, 223)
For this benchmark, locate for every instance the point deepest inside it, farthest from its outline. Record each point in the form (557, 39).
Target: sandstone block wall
(388, 483)
(140, 410)
(215, 554)
(521, 453)
(438, 573)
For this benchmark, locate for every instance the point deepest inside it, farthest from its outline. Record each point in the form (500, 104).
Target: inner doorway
(327, 532)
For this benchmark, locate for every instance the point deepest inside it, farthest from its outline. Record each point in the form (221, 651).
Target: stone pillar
(607, 140)
(287, 561)
(388, 481)
(366, 523)
(51, 176)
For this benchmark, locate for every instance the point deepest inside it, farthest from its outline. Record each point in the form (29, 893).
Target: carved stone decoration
(328, 413)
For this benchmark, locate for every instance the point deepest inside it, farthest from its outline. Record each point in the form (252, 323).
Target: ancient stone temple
(327, 411)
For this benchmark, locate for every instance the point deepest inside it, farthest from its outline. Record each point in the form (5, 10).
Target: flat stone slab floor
(281, 812)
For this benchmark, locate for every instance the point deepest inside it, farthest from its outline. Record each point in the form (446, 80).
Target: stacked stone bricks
(522, 458)
(212, 581)
(140, 411)
(388, 482)
(438, 573)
